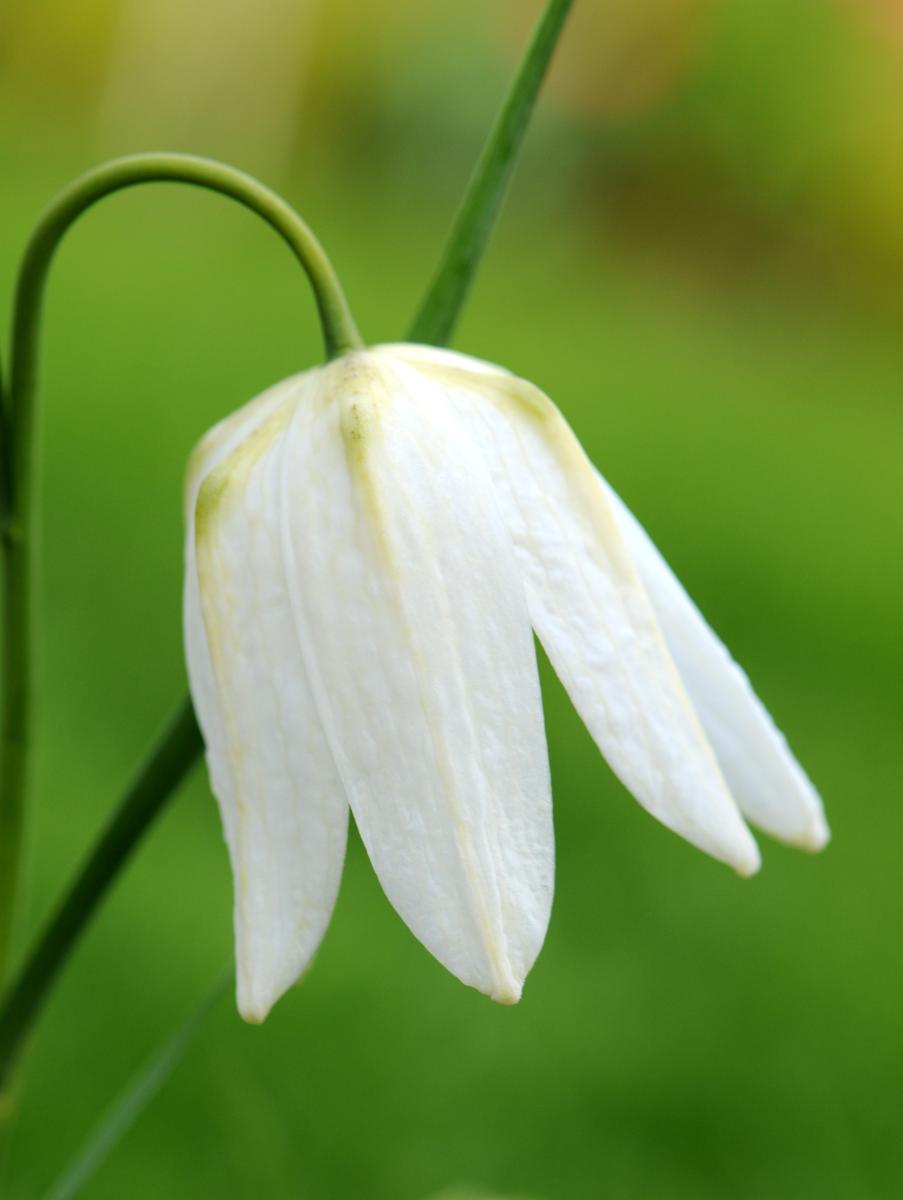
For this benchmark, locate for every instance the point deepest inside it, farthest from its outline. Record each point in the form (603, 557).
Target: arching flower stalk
(370, 546)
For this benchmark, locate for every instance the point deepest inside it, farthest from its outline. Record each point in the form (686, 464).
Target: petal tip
(502, 983)
(816, 835)
(748, 861)
(253, 1014)
(254, 1003)
(507, 993)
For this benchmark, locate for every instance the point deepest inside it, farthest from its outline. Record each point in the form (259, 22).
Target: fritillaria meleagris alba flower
(371, 545)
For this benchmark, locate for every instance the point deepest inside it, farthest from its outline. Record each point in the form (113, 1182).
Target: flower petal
(590, 609)
(767, 782)
(412, 614)
(283, 806)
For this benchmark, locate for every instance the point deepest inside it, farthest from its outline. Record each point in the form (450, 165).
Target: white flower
(370, 545)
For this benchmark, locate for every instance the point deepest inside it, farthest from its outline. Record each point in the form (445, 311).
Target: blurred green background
(700, 262)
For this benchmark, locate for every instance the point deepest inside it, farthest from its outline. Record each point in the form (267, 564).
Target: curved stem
(339, 330)
(166, 766)
(441, 306)
(339, 334)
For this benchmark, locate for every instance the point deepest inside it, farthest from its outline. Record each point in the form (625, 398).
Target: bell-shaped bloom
(370, 547)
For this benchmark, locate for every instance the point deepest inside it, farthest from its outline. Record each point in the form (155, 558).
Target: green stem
(166, 766)
(434, 324)
(442, 304)
(339, 335)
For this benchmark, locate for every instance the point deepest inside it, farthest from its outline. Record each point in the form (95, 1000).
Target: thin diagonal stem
(339, 335)
(166, 767)
(444, 300)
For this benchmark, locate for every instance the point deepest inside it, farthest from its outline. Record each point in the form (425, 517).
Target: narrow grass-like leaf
(444, 300)
(130, 1104)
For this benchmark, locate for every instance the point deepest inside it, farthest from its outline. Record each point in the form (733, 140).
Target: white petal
(216, 445)
(226, 435)
(591, 611)
(765, 779)
(282, 803)
(414, 623)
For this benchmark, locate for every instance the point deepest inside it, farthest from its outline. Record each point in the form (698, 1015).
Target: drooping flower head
(370, 546)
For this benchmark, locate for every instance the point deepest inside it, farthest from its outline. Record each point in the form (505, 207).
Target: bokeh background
(701, 262)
